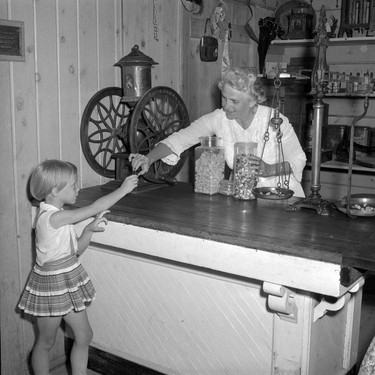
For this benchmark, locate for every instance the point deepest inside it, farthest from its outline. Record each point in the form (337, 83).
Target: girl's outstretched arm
(65, 217)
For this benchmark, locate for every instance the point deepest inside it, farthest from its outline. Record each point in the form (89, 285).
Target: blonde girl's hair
(244, 80)
(50, 174)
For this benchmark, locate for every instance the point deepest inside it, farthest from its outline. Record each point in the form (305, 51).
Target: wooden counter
(259, 224)
(196, 284)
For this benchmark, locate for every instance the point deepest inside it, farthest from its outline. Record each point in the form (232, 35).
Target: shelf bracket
(281, 300)
(324, 306)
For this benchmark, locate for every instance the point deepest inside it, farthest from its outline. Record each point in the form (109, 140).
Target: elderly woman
(242, 118)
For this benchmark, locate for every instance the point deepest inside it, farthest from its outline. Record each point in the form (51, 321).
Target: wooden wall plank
(108, 52)
(88, 70)
(47, 79)
(18, 154)
(68, 81)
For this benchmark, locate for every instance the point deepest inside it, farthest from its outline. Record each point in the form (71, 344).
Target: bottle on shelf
(349, 84)
(356, 82)
(343, 82)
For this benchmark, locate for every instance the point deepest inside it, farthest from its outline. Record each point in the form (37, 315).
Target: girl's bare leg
(79, 323)
(45, 340)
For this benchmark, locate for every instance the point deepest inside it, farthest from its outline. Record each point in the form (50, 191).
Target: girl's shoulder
(45, 212)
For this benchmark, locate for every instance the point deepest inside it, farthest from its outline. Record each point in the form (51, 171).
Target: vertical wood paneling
(20, 152)
(47, 79)
(109, 51)
(88, 68)
(69, 114)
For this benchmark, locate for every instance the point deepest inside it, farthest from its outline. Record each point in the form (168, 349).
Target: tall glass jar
(244, 174)
(209, 165)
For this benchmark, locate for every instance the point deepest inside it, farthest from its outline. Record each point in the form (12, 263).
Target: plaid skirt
(56, 288)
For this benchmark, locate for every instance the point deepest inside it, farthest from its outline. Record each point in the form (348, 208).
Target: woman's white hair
(244, 80)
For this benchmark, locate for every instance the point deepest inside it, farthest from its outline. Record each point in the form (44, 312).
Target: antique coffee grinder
(135, 75)
(133, 118)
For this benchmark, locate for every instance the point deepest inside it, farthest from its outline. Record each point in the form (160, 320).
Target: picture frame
(12, 40)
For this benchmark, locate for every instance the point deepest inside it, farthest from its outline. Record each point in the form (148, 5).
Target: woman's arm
(143, 162)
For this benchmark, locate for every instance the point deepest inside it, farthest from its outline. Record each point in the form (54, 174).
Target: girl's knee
(85, 337)
(45, 342)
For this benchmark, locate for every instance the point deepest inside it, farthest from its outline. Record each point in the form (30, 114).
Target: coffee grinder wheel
(111, 127)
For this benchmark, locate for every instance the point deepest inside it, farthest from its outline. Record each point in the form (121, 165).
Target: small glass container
(244, 173)
(226, 187)
(209, 165)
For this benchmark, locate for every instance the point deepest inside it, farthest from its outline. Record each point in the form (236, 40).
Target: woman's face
(236, 104)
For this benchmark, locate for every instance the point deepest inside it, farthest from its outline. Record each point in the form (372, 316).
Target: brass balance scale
(352, 205)
(133, 118)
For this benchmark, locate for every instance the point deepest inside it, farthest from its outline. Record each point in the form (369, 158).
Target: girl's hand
(94, 226)
(130, 183)
(139, 161)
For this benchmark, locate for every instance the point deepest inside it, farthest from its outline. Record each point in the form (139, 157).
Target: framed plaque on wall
(12, 40)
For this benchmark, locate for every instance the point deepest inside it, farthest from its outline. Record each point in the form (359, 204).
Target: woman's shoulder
(212, 120)
(217, 113)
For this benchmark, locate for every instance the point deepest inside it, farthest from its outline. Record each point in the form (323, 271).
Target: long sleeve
(180, 141)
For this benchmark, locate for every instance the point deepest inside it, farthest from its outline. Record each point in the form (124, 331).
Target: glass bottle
(244, 175)
(209, 165)
(349, 84)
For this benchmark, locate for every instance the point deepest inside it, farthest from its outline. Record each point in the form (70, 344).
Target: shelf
(338, 165)
(343, 95)
(332, 42)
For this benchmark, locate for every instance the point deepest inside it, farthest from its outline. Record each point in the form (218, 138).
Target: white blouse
(52, 244)
(230, 132)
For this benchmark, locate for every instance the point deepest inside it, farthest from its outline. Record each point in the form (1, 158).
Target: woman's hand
(262, 169)
(139, 161)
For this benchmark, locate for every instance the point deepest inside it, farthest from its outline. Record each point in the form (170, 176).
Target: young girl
(58, 286)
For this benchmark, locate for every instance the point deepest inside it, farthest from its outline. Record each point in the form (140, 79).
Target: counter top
(258, 224)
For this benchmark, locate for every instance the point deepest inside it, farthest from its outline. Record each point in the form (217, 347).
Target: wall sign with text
(12, 40)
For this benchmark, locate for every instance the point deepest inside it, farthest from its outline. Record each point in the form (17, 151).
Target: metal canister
(362, 137)
(135, 74)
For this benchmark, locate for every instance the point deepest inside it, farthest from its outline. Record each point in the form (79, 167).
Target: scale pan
(273, 193)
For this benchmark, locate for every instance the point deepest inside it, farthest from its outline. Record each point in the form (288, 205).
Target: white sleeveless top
(52, 244)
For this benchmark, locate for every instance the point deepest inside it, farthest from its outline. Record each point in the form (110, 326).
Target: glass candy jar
(209, 165)
(244, 174)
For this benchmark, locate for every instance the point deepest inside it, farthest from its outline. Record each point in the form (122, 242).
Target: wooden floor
(367, 330)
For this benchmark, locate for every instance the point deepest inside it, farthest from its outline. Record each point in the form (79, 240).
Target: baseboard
(109, 364)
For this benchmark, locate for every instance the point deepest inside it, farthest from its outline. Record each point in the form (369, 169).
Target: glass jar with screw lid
(244, 173)
(209, 165)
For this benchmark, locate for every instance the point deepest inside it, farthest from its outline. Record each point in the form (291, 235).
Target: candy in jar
(244, 174)
(209, 165)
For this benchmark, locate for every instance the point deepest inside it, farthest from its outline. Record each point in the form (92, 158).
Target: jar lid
(136, 57)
